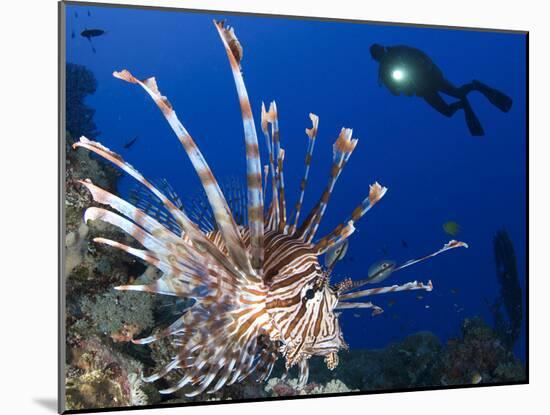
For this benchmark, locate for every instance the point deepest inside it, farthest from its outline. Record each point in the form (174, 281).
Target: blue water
(434, 169)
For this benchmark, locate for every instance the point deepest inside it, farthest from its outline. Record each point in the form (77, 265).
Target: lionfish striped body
(259, 289)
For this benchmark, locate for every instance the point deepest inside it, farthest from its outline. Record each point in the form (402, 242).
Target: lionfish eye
(310, 294)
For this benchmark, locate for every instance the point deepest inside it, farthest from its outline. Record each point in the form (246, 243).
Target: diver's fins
(500, 100)
(472, 121)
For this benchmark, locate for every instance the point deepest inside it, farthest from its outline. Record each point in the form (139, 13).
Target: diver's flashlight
(398, 75)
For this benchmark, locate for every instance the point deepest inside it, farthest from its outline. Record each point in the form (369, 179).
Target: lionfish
(258, 290)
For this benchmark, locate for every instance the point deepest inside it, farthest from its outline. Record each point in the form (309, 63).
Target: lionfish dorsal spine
(253, 163)
(273, 119)
(344, 230)
(273, 211)
(224, 219)
(312, 135)
(342, 150)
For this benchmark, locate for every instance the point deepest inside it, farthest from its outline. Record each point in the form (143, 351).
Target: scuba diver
(407, 70)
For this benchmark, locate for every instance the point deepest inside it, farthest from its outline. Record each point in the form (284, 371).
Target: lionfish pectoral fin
(410, 286)
(114, 158)
(346, 306)
(153, 207)
(181, 383)
(304, 373)
(224, 220)
(161, 373)
(448, 246)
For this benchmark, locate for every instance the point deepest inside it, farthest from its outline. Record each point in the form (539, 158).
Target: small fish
(451, 228)
(426, 306)
(89, 14)
(356, 315)
(75, 15)
(404, 243)
(419, 297)
(130, 143)
(391, 303)
(335, 254)
(454, 291)
(90, 33)
(476, 378)
(72, 34)
(380, 270)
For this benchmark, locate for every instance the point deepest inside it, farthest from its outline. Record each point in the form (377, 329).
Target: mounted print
(260, 207)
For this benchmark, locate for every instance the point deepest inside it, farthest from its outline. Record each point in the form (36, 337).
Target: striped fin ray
(341, 232)
(410, 286)
(189, 228)
(224, 219)
(253, 164)
(273, 119)
(342, 150)
(282, 201)
(312, 135)
(131, 212)
(452, 244)
(273, 212)
(196, 207)
(154, 208)
(221, 348)
(218, 340)
(114, 158)
(183, 270)
(346, 306)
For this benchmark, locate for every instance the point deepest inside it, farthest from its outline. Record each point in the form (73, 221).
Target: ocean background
(434, 170)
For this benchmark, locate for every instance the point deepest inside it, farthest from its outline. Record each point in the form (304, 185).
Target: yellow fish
(451, 228)
(476, 378)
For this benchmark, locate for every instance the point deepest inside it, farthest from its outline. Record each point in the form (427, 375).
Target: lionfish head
(302, 303)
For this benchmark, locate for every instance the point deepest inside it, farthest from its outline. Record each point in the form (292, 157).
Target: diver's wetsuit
(419, 75)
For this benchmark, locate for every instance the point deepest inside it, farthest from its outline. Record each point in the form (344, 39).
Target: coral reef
(119, 315)
(479, 355)
(511, 298)
(80, 82)
(279, 387)
(101, 377)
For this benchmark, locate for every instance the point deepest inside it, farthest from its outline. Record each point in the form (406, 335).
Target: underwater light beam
(398, 74)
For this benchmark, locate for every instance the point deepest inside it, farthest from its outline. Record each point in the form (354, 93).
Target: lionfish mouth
(233, 271)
